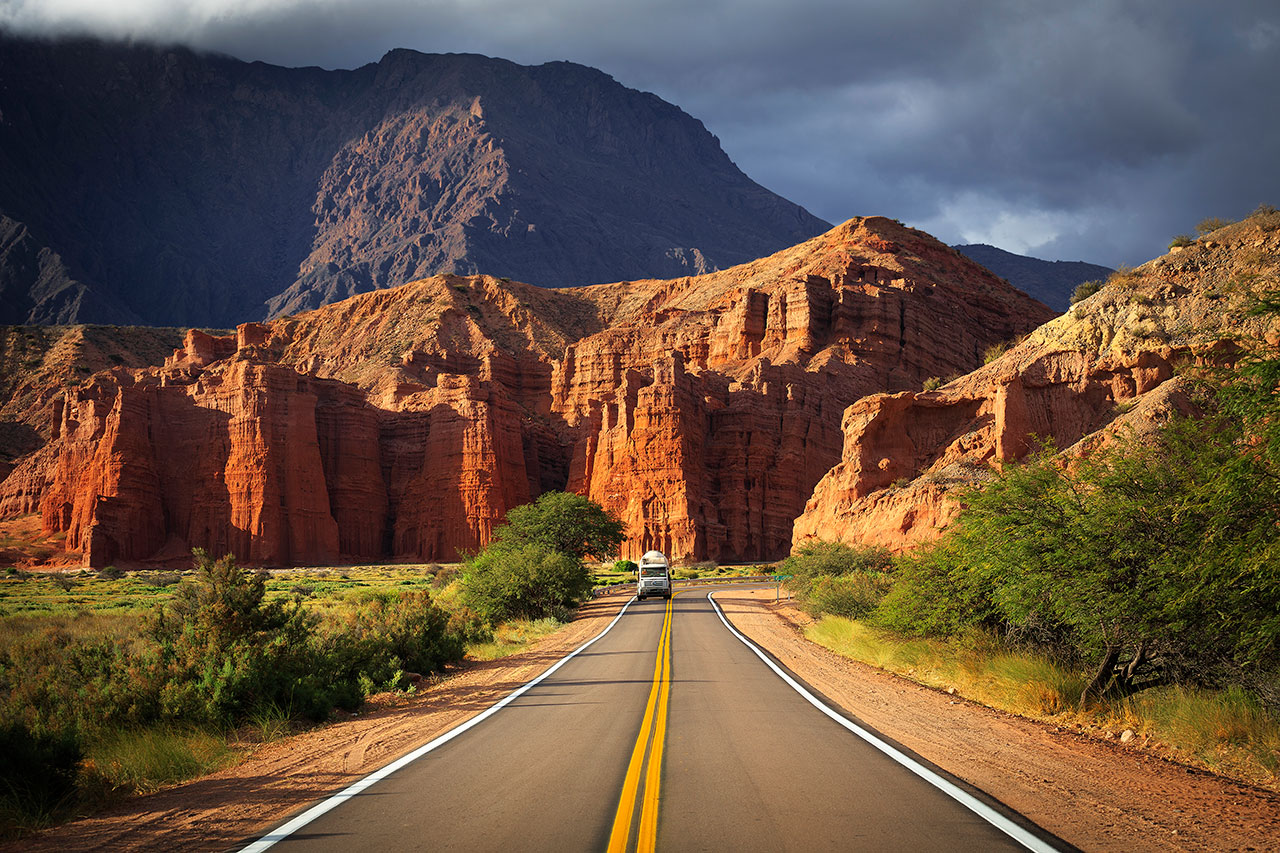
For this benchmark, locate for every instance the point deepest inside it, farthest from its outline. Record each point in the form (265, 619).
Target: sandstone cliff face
(406, 422)
(167, 187)
(1108, 364)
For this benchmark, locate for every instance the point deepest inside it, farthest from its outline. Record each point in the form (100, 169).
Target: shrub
(1181, 240)
(529, 581)
(223, 649)
(852, 596)
(831, 577)
(625, 566)
(994, 351)
(1211, 223)
(373, 645)
(835, 558)
(1084, 290)
(933, 383)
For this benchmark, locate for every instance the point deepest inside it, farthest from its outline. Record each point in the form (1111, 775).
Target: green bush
(1181, 240)
(376, 643)
(852, 596)
(224, 650)
(1084, 290)
(834, 559)
(528, 581)
(1152, 560)
(625, 566)
(831, 577)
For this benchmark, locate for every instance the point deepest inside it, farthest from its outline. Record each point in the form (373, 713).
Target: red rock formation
(405, 423)
(1107, 365)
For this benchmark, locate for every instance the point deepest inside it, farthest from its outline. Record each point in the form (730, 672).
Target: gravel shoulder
(1093, 794)
(234, 805)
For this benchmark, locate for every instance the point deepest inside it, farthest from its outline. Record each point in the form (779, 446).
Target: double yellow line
(655, 724)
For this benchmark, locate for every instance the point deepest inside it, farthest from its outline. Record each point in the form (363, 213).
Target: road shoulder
(1094, 795)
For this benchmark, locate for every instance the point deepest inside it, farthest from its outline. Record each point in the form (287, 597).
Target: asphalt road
(746, 763)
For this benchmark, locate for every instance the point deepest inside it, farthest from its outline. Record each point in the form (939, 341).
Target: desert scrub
(148, 696)
(993, 352)
(1181, 240)
(831, 577)
(1125, 278)
(1212, 223)
(1084, 290)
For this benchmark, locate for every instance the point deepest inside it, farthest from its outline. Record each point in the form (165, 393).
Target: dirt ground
(1096, 795)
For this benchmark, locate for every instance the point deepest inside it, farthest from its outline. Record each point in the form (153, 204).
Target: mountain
(167, 187)
(1109, 364)
(404, 423)
(1052, 282)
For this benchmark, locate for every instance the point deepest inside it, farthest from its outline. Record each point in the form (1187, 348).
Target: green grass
(1225, 731)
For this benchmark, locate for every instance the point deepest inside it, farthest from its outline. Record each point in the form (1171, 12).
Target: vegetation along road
(669, 731)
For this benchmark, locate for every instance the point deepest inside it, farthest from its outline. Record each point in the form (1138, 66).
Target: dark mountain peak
(179, 187)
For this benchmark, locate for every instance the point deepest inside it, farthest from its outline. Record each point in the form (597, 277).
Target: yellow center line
(648, 837)
(658, 694)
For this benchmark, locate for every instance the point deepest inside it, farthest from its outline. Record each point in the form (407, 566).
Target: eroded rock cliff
(406, 422)
(1110, 363)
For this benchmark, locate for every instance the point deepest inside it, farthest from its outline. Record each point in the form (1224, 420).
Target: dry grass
(1225, 731)
(513, 638)
(140, 761)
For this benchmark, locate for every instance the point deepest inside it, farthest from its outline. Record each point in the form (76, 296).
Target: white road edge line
(357, 787)
(984, 811)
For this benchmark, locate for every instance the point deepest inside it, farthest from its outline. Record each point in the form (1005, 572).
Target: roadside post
(777, 591)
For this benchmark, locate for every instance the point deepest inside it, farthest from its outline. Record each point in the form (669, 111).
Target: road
(667, 731)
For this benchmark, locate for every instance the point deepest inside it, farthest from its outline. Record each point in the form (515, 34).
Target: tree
(565, 523)
(1151, 559)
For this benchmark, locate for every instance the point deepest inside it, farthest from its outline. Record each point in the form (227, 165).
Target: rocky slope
(1108, 364)
(404, 423)
(1052, 282)
(141, 185)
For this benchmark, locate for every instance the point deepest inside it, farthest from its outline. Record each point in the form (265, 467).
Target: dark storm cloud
(1090, 130)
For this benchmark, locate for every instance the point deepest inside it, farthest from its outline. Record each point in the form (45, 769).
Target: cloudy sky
(1082, 130)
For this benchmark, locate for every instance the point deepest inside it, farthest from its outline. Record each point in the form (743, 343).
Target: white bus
(654, 576)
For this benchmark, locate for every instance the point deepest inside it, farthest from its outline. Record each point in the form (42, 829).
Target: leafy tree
(563, 522)
(1149, 560)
